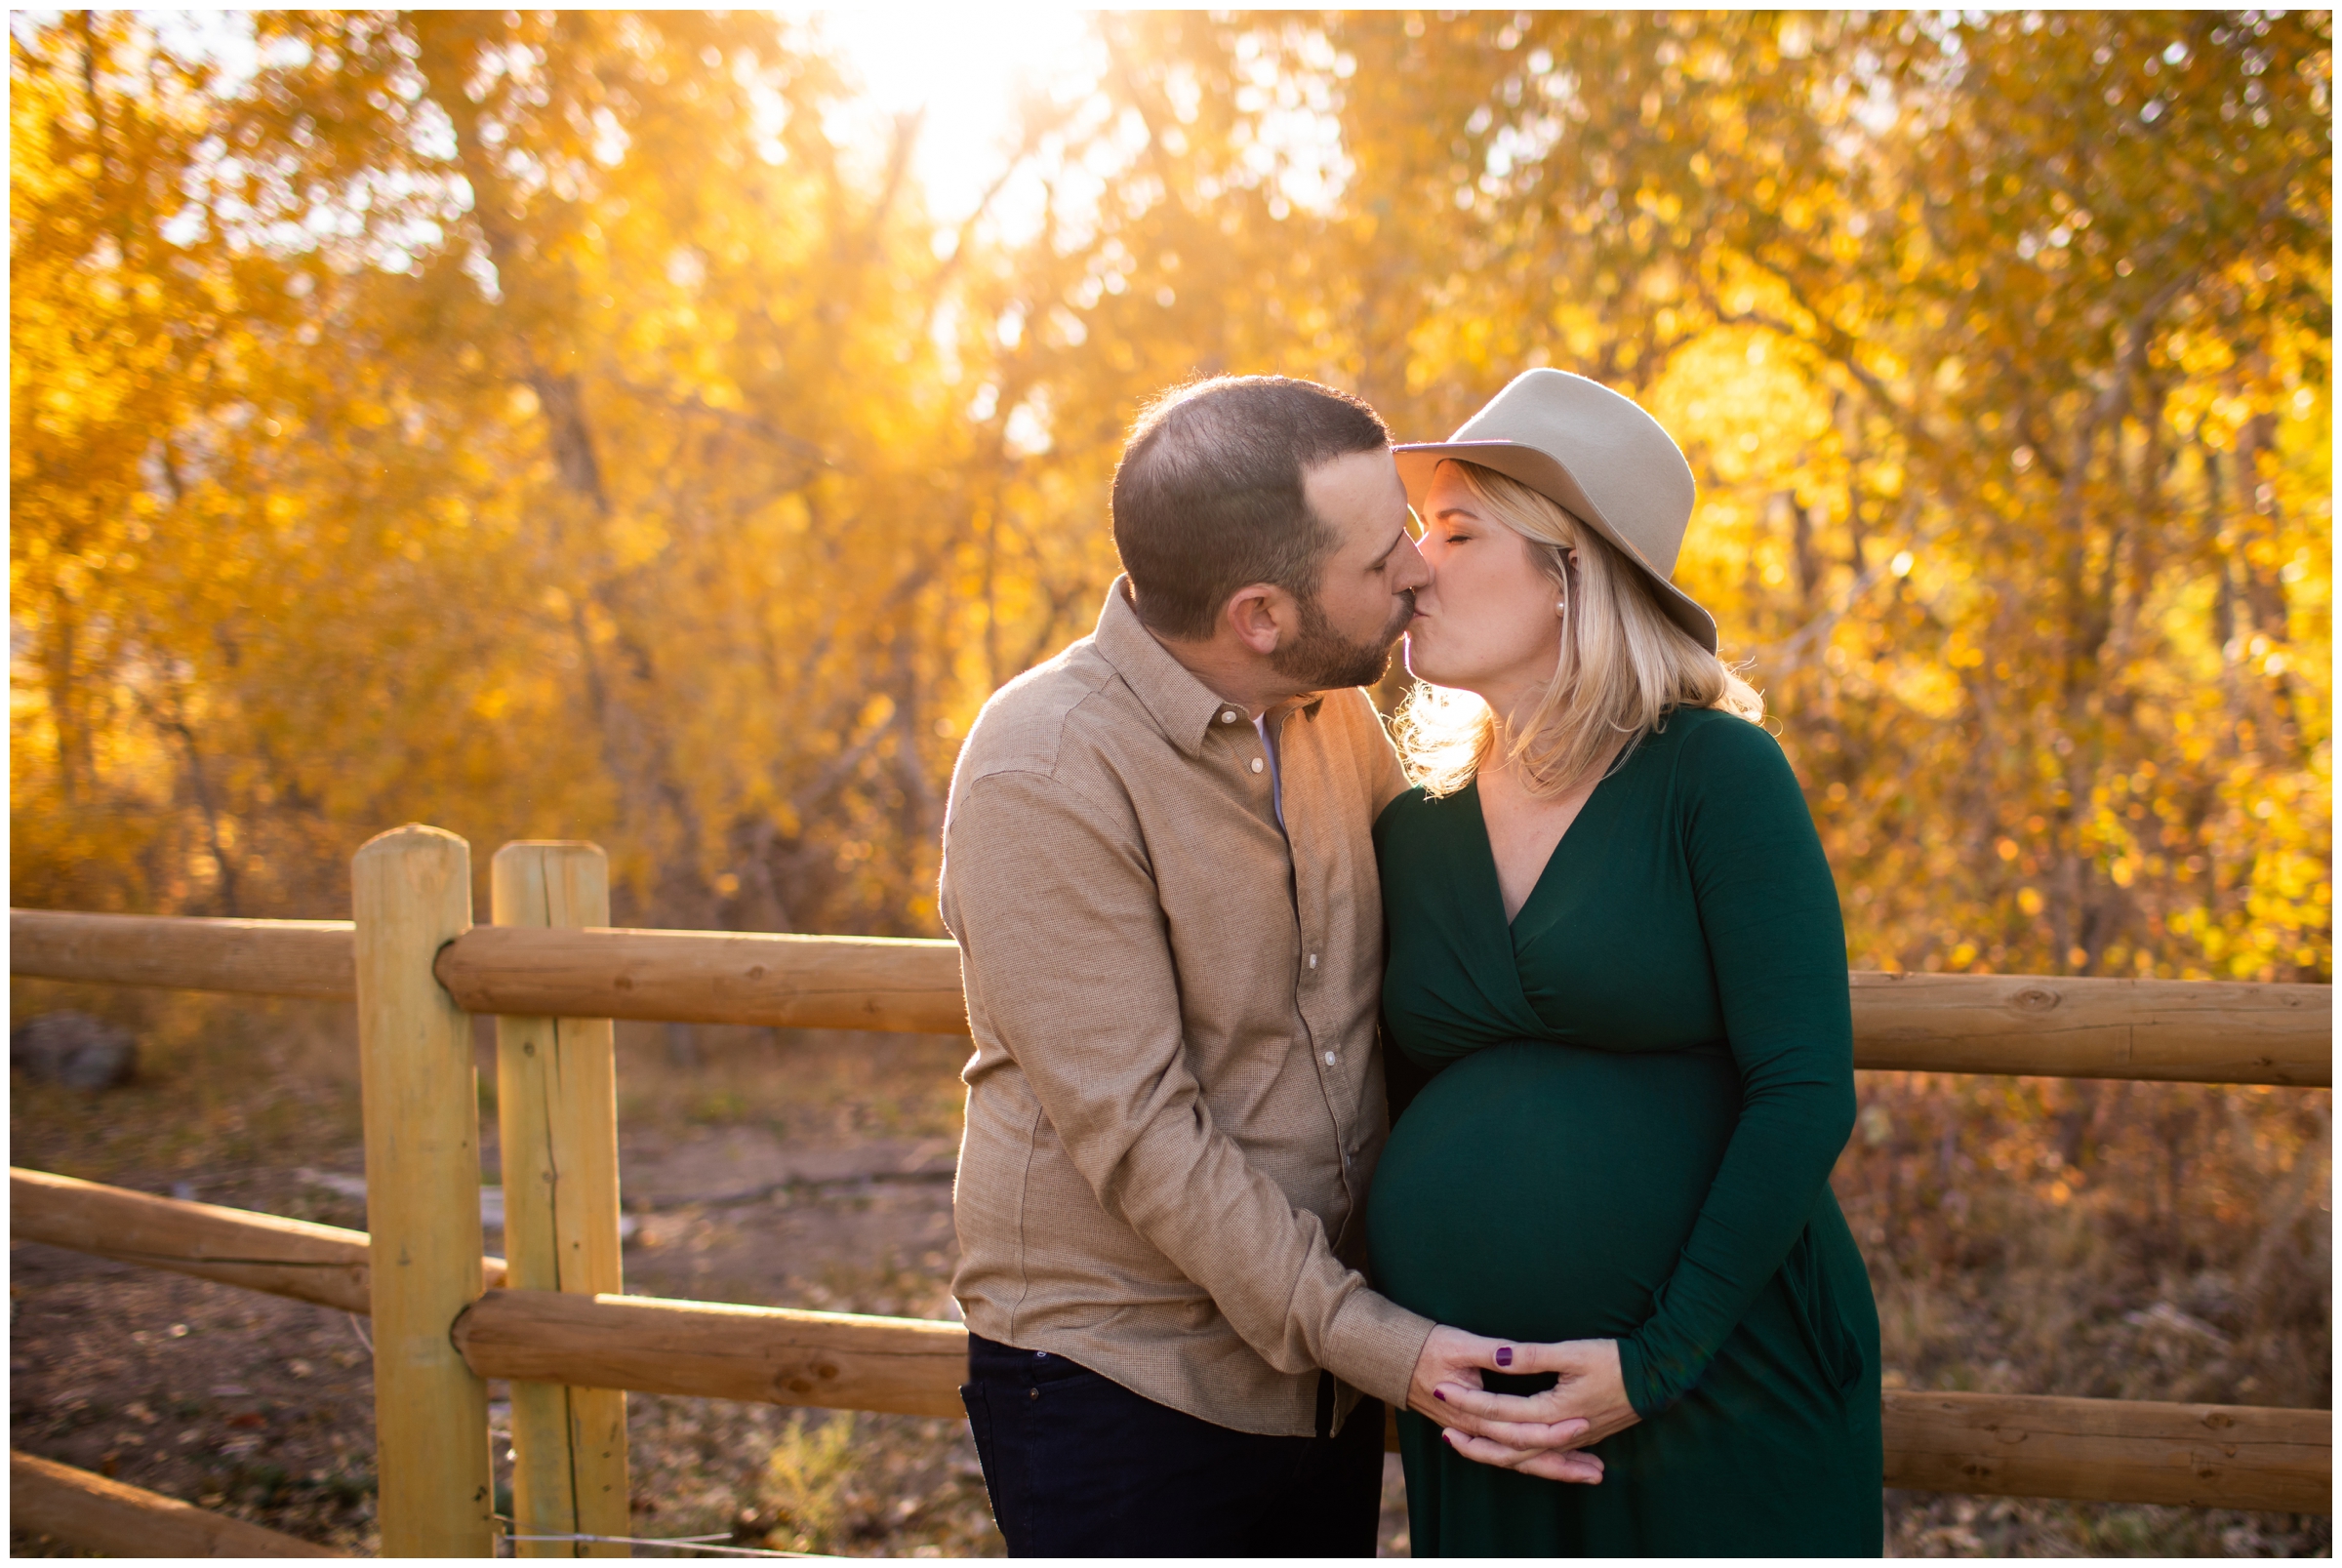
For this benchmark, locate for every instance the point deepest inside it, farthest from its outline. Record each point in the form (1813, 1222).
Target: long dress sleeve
(1777, 944)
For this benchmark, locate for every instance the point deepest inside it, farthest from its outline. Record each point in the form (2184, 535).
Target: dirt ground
(813, 1170)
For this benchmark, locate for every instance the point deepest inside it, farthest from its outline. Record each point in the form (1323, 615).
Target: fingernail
(1436, 1394)
(1503, 1356)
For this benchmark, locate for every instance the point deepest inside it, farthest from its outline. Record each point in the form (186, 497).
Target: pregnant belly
(1544, 1192)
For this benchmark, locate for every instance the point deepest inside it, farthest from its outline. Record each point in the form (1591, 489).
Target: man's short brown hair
(1209, 494)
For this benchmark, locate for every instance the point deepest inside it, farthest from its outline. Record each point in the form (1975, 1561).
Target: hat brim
(1544, 473)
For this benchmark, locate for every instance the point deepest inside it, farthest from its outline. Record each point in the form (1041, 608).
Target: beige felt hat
(1597, 455)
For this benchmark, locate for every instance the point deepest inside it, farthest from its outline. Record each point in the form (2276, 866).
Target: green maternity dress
(1637, 1093)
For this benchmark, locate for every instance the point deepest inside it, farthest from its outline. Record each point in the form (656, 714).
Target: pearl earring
(1563, 608)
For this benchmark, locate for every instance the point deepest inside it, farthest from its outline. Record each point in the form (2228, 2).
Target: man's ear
(1259, 613)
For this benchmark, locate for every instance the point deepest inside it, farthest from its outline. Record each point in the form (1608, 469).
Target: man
(1159, 868)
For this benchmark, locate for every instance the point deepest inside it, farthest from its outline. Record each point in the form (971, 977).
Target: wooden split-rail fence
(550, 1315)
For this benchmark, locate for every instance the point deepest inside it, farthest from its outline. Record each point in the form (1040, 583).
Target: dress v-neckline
(1496, 880)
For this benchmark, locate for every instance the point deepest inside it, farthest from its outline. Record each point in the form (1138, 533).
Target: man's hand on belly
(1504, 1428)
(1514, 1432)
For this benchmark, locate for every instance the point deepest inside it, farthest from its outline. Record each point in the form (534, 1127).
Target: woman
(1615, 947)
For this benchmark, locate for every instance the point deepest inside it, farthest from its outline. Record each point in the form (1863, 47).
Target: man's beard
(1322, 659)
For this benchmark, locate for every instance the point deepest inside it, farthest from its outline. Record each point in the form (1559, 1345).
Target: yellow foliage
(517, 421)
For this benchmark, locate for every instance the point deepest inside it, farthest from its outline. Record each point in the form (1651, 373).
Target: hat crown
(1624, 460)
(1595, 453)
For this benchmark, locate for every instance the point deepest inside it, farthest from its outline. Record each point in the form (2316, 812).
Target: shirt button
(1227, 716)
(1329, 1059)
(1257, 764)
(1312, 960)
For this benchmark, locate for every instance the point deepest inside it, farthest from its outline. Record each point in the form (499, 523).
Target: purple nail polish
(1503, 1356)
(1436, 1394)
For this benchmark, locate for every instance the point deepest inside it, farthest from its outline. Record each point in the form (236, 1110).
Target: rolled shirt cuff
(1373, 1345)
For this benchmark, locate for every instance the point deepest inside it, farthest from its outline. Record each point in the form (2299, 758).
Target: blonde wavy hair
(1624, 665)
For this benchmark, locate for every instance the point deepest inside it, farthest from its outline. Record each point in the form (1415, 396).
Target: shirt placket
(1304, 818)
(1257, 781)
(1268, 786)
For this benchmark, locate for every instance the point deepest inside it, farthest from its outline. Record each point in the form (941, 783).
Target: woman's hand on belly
(1513, 1430)
(1448, 1373)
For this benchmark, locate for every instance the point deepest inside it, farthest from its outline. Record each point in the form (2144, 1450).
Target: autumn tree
(556, 423)
(563, 452)
(2002, 348)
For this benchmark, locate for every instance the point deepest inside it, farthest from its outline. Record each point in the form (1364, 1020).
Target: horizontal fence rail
(696, 977)
(2195, 1032)
(777, 1355)
(99, 1514)
(2224, 1455)
(323, 1264)
(256, 957)
(2168, 1030)
(2111, 1450)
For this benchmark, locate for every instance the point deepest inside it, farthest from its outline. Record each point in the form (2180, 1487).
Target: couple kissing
(1489, 1066)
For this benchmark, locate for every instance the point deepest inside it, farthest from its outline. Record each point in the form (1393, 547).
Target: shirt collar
(1185, 707)
(1182, 705)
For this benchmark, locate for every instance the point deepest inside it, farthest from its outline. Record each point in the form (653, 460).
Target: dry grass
(2121, 1241)
(2115, 1241)
(853, 1485)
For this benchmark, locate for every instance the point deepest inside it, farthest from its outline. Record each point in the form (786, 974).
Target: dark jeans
(1077, 1466)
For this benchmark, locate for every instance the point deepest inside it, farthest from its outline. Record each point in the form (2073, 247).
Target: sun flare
(963, 66)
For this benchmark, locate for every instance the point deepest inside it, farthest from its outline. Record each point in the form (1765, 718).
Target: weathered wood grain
(120, 1520)
(556, 1103)
(307, 1262)
(263, 958)
(311, 1263)
(774, 1355)
(410, 889)
(790, 982)
(2112, 1450)
(2175, 1031)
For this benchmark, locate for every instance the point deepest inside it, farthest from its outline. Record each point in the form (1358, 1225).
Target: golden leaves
(633, 460)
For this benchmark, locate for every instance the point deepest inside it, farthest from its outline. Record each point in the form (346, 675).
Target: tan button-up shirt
(1175, 1103)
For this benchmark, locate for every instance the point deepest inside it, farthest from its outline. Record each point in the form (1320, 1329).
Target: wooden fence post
(556, 1103)
(411, 892)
